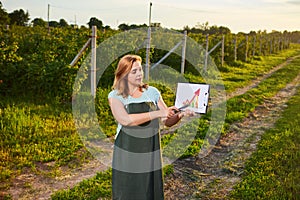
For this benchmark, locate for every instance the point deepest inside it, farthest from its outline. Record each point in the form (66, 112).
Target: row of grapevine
(32, 60)
(243, 46)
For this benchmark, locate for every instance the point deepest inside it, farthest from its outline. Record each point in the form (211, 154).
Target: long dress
(137, 166)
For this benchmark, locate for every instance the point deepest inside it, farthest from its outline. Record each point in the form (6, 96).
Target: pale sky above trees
(238, 15)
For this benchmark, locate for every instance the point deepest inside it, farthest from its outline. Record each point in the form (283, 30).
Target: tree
(95, 22)
(63, 23)
(39, 22)
(123, 27)
(107, 27)
(218, 30)
(54, 24)
(4, 19)
(203, 26)
(19, 17)
(186, 28)
(206, 29)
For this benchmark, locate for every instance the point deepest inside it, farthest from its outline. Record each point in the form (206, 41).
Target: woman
(137, 107)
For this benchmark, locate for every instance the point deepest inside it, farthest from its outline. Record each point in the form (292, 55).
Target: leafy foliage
(19, 17)
(35, 64)
(39, 62)
(4, 19)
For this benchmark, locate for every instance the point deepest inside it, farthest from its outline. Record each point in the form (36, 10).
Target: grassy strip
(90, 189)
(273, 170)
(36, 133)
(238, 108)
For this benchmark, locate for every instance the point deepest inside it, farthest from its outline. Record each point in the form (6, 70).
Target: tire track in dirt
(41, 186)
(214, 176)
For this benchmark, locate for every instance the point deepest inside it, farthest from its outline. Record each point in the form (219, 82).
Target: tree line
(22, 18)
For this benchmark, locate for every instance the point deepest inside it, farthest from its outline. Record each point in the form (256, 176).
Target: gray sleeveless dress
(137, 163)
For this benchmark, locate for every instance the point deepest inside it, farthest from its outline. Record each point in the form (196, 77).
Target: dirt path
(214, 176)
(41, 186)
(207, 178)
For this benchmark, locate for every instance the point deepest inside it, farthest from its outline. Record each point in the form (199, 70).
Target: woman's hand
(168, 112)
(187, 112)
(172, 111)
(173, 116)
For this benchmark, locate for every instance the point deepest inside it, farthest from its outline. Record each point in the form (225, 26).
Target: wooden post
(280, 44)
(48, 14)
(93, 61)
(74, 61)
(235, 48)
(284, 43)
(271, 46)
(223, 49)
(260, 45)
(147, 67)
(206, 53)
(254, 45)
(246, 48)
(165, 56)
(183, 52)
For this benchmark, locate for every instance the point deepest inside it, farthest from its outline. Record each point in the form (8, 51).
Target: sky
(237, 15)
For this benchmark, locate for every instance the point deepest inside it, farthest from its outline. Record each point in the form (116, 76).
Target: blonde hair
(121, 74)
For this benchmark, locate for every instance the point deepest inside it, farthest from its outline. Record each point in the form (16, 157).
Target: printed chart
(192, 96)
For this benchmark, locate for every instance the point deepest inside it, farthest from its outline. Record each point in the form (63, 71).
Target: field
(42, 155)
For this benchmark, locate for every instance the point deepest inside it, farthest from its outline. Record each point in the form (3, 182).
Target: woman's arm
(126, 119)
(172, 118)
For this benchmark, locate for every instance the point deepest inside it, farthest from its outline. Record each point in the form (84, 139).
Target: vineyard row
(33, 60)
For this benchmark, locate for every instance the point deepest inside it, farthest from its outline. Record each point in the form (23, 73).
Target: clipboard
(192, 96)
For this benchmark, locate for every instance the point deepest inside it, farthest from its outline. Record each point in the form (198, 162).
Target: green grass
(237, 108)
(90, 189)
(36, 133)
(273, 170)
(43, 131)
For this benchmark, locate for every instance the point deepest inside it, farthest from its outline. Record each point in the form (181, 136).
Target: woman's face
(135, 76)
